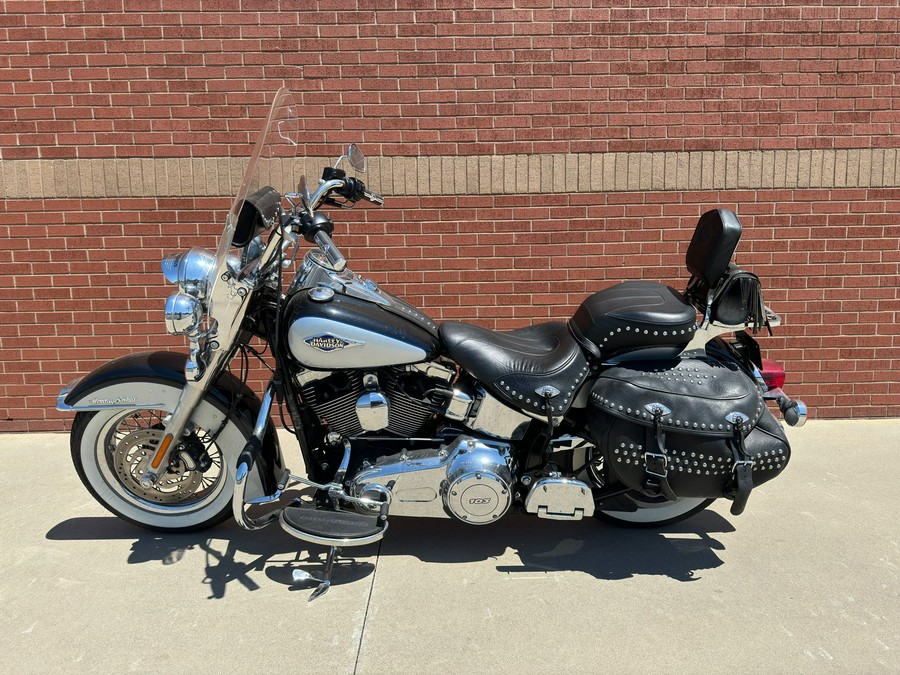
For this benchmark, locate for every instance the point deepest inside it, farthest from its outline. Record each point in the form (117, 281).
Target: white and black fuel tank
(330, 331)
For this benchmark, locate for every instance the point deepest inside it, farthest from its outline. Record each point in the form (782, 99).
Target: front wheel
(111, 448)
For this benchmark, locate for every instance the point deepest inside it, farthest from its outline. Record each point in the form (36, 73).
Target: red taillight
(773, 374)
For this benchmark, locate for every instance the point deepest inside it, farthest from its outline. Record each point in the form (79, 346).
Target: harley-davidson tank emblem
(330, 343)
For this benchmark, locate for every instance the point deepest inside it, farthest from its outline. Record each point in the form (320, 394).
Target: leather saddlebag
(695, 427)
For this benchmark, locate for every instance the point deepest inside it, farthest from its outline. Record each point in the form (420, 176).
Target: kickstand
(324, 580)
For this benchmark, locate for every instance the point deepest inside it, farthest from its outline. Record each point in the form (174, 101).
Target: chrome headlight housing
(184, 314)
(192, 270)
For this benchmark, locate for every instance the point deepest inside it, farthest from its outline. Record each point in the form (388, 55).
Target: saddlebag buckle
(656, 464)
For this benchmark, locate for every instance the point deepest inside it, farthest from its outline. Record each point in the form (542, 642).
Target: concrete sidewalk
(807, 580)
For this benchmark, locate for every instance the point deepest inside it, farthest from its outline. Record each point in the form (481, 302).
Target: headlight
(192, 270)
(184, 313)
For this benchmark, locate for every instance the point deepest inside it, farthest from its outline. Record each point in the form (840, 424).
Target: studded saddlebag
(697, 427)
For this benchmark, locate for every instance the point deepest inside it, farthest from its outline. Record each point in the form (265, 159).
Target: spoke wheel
(111, 449)
(130, 448)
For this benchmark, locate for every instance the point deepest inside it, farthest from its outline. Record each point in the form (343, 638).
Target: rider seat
(515, 364)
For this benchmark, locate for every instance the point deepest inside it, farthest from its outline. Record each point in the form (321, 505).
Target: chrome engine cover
(468, 478)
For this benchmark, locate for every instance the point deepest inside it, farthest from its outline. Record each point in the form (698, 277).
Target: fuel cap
(321, 293)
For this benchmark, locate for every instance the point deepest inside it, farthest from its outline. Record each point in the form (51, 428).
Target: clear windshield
(274, 162)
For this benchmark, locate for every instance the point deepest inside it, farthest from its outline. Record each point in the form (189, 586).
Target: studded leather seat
(632, 315)
(514, 364)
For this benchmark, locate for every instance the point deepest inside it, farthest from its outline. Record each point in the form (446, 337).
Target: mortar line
(362, 633)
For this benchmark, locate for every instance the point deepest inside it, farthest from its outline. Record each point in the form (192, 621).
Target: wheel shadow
(236, 556)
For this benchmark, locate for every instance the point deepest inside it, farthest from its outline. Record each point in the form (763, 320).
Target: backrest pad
(715, 239)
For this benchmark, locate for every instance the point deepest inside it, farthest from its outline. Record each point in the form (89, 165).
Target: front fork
(178, 424)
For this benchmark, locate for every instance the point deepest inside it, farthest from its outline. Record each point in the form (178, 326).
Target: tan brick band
(513, 174)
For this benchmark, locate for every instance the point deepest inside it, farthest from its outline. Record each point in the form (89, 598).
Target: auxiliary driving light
(184, 313)
(192, 270)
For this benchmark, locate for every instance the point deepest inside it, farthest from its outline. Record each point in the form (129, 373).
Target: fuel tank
(328, 331)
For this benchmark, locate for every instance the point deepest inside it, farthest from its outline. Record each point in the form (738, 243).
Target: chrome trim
(560, 499)
(62, 406)
(653, 408)
(183, 314)
(735, 417)
(316, 272)
(479, 482)
(459, 406)
(800, 411)
(321, 293)
(497, 419)
(119, 403)
(432, 369)
(372, 410)
(226, 305)
(709, 330)
(325, 541)
(420, 480)
(547, 391)
(193, 271)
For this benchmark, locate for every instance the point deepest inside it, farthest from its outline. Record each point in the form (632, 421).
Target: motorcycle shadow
(677, 551)
(233, 555)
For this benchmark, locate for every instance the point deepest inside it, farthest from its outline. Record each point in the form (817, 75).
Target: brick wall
(531, 151)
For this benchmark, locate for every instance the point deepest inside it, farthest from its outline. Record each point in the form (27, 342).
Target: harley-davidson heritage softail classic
(635, 410)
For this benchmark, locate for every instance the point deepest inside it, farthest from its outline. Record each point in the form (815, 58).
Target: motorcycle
(636, 410)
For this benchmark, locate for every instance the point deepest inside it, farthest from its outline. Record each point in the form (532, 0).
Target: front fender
(168, 368)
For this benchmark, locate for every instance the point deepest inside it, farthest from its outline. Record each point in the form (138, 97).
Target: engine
(397, 401)
(468, 478)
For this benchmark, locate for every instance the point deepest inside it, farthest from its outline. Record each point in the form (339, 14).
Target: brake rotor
(130, 458)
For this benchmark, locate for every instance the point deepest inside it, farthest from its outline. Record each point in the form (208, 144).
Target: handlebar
(351, 189)
(332, 254)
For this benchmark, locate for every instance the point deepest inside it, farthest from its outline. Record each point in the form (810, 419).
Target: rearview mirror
(357, 157)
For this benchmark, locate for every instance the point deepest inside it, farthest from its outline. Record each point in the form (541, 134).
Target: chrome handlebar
(332, 254)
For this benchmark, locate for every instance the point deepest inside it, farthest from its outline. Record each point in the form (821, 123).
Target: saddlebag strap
(656, 462)
(742, 483)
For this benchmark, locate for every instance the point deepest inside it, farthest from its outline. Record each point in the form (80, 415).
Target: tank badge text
(330, 343)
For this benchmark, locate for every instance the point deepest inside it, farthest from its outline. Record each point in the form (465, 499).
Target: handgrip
(373, 197)
(332, 254)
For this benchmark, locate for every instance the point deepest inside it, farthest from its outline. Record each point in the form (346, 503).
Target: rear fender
(101, 390)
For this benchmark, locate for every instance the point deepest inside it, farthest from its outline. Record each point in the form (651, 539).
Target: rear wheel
(632, 509)
(111, 449)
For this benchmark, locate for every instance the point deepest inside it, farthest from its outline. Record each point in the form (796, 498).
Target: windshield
(274, 163)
